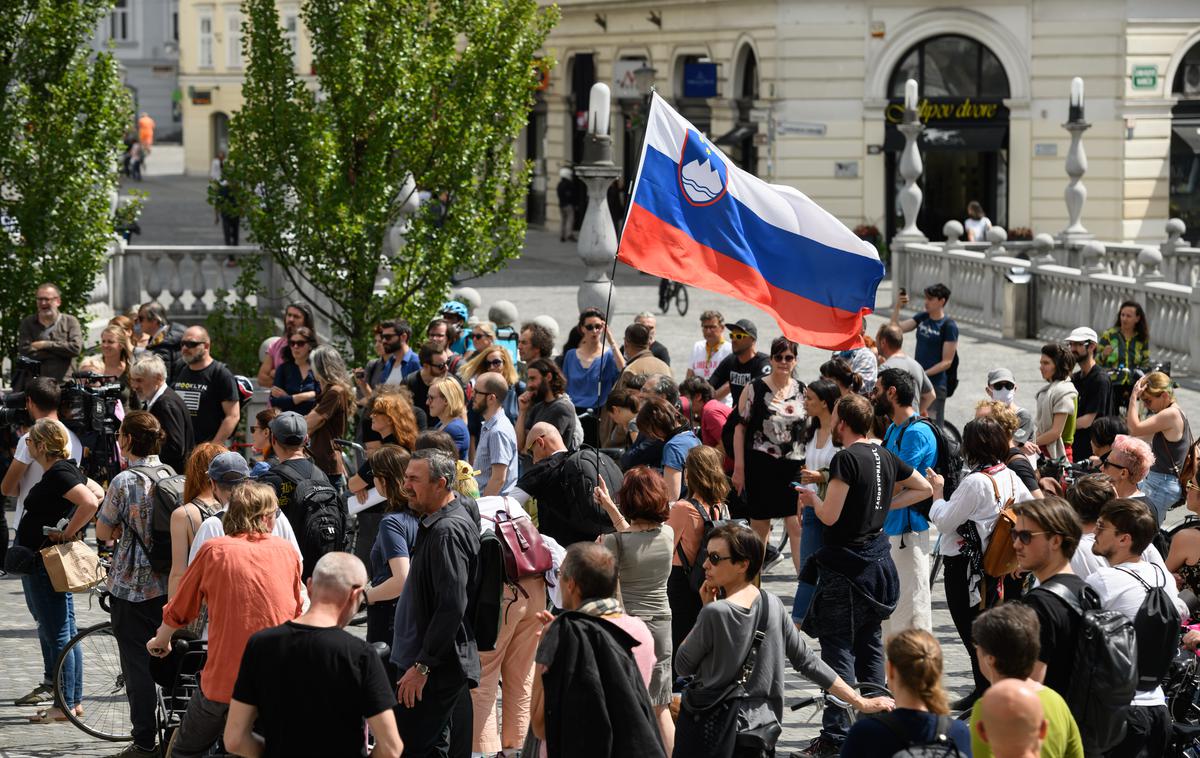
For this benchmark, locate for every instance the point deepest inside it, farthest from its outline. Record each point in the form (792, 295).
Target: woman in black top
(295, 386)
(62, 492)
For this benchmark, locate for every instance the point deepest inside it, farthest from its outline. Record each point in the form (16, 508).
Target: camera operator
(53, 338)
(148, 377)
(41, 401)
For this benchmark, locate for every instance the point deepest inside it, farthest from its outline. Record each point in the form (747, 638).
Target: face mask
(1003, 396)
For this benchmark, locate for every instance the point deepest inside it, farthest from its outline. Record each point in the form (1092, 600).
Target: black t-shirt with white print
(870, 472)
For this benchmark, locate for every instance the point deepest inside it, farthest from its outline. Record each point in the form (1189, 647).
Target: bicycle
(104, 707)
(669, 291)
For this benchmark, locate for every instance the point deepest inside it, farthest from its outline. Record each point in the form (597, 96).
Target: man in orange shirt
(145, 132)
(248, 562)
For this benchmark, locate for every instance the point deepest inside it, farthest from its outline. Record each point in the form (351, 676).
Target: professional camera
(1065, 472)
(12, 410)
(89, 408)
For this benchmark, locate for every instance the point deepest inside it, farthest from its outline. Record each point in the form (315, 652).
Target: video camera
(1065, 472)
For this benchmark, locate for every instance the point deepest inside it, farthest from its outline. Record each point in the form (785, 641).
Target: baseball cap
(744, 325)
(1000, 375)
(1083, 334)
(228, 468)
(290, 428)
(455, 307)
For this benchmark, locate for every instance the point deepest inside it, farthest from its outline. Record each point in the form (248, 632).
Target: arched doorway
(962, 85)
(1185, 145)
(739, 141)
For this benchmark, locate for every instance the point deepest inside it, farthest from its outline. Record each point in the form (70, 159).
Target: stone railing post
(953, 231)
(1091, 259)
(1150, 261)
(1175, 266)
(1043, 250)
(996, 238)
(1194, 336)
(597, 236)
(911, 166)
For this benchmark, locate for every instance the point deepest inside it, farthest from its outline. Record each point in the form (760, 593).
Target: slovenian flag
(696, 218)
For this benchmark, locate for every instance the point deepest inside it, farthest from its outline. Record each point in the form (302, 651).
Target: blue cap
(228, 468)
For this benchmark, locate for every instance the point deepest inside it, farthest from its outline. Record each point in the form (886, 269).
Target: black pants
(1147, 729)
(229, 228)
(963, 611)
(134, 624)
(381, 619)
(426, 727)
(685, 605)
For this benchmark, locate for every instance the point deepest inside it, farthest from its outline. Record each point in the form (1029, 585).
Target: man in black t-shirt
(1047, 534)
(856, 580)
(743, 366)
(1095, 390)
(288, 434)
(207, 388)
(307, 686)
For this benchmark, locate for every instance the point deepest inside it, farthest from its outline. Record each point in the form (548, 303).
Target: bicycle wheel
(681, 299)
(105, 707)
(664, 295)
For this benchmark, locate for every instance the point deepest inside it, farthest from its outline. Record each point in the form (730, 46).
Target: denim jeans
(55, 613)
(1162, 491)
(811, 537)
(47, 659)
(855, 658)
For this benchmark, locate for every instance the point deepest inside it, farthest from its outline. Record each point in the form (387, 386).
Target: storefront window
(951, 66)
(1185, 146)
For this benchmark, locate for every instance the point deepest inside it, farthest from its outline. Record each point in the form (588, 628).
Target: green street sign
(1145, 77)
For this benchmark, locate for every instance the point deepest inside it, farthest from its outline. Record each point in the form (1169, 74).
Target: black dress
(774, 452)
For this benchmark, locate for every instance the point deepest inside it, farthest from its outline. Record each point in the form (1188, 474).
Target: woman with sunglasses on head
(591, 368)
(966, 522)
(768, 446)
(295, 386)
(715, 649)
(1170, 439)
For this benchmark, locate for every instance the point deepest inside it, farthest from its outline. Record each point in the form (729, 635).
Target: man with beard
(207, 388)
(1095, 389)
(49, 336)
(496, 452)
(546, 399)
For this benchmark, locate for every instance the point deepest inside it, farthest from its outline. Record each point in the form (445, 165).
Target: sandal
(48, 716)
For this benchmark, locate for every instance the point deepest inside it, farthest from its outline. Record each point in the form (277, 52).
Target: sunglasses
(1024, 536)
(715, 558)
(479, 336)
(593, 327)
(1113, 465)
(1004, 386)
(298, 343)
(437, 366)
(783, 358)
(738, 335)
(494, 362)
(192, 343)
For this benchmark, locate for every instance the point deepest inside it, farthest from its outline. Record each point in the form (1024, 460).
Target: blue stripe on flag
(786, 260)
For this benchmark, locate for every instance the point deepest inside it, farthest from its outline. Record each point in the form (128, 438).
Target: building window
(118, 22)
(233, 39)
(206, 41)
(291, 33)
(173, 23)
(952, 66)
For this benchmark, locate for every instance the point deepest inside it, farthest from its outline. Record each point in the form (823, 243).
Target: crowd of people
(652, 500)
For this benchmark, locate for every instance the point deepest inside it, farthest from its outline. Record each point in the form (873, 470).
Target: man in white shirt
(227, 471)
(1123, 531)
(708, 353)
(1088, 496)
(41, 401)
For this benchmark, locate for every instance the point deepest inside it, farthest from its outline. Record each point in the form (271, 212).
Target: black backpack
(940, 747)
(949, 461)
(322, 526)
(166, 494)
(695, 571)
(1157, 627)
(1105, 674)
(485, 604)
(952, 376)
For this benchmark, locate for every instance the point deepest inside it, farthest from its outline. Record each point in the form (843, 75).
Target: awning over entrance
(1189, 132)
(737, 135)
(981, 139)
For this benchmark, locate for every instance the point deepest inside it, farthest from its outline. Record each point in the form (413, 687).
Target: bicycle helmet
(454, 307)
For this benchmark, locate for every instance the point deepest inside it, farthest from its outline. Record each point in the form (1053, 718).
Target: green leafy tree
(433, 90)
(63, 110)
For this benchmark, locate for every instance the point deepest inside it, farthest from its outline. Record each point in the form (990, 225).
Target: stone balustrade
(185, 279)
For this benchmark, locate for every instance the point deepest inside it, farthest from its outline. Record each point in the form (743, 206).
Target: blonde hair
(250, 505)
(1002, 413)
(51, 438)
(452, 392)
(464, 479)
(917, 658)
(475, 366)
(1158, 383)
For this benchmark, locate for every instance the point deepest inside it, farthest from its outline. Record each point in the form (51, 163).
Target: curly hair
(399, 412)
(1002, 413)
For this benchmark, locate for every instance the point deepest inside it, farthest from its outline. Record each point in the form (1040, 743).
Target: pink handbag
(525, 554)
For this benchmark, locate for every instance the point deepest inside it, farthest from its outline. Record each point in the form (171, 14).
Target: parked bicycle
(668, 292)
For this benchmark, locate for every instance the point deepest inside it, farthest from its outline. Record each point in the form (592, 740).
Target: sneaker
(134, 751)
(771, 557)
(43, 693)
(820, 747)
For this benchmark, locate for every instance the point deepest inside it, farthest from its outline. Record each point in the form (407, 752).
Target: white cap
(1083, 334)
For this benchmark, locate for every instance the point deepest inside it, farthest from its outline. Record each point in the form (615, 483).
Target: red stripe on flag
(654, 246)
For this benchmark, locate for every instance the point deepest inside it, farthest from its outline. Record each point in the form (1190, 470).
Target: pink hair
(1135, 454)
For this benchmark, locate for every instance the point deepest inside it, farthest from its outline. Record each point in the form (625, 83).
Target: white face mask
(1003, 396)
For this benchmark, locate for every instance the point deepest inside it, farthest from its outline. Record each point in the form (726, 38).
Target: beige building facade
(807, 93)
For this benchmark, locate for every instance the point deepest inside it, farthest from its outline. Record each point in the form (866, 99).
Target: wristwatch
(421, 668)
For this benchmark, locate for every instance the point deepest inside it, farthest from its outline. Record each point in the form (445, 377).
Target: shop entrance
(1185, 146)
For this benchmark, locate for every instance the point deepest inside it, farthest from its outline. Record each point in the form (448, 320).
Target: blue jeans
(47, 658)
(856, 658)
(55, 613)
(811, 536)
(1162, 491)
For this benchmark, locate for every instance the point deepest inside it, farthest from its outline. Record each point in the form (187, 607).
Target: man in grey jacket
(49, 336)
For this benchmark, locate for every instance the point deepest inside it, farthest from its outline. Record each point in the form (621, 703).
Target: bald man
(1011, 721)
(562, 482)
(311, 671)
(208, 389)
(496, 453)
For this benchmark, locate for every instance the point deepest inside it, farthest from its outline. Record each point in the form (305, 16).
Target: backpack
(1105, 677)
(1157, 627)
(949, 463)
(166, 494)
(1000, 557)
(952, 376)
(525, 554)
(941, 746)
(322, 527)
(485, 604)
(1163, 537)
(695, 571)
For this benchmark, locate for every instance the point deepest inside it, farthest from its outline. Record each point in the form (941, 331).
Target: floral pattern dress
(775, 449)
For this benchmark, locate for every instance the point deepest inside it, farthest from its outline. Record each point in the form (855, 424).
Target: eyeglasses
(738, 335)
(388, 336)
(715, 558)
(494, 362)
(436, 366)
(593, 327)
(192, 343)
(783, 358)
(531, 443)
(1004, 386)
(1024, 536)
(480, 336)
(296, 343)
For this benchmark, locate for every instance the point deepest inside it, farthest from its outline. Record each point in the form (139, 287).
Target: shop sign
(624, 83)
(1145, 77)
(700, 80)
(1045, 150)
(201, 97)
(949, 109)
(802, 128)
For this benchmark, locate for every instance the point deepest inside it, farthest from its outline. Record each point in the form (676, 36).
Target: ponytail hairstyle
(917, 658)
(839, 370)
